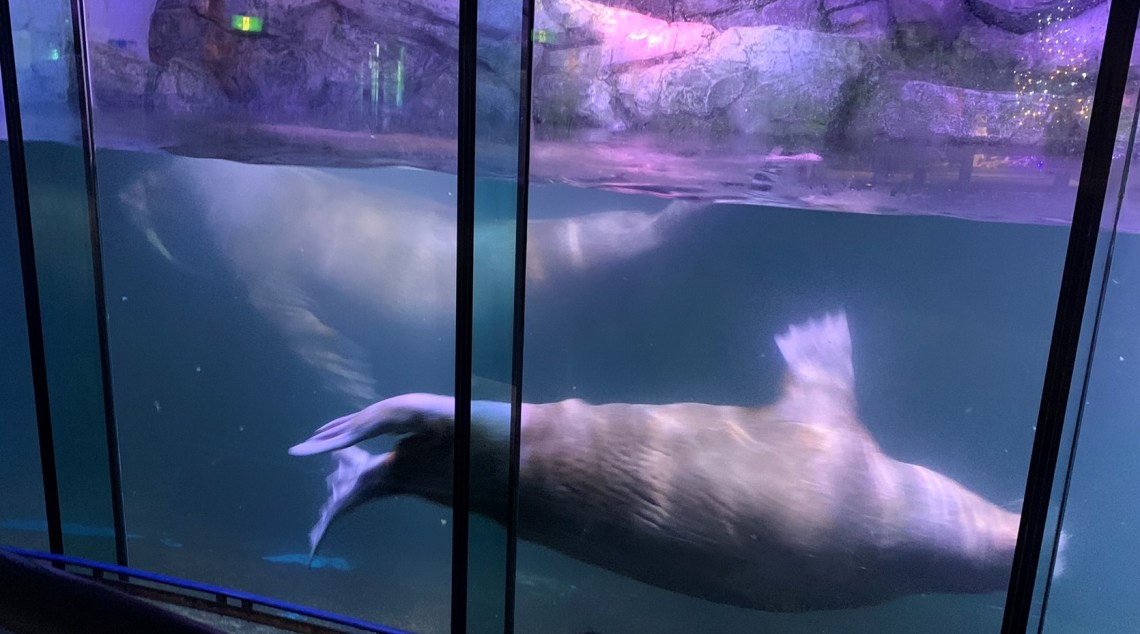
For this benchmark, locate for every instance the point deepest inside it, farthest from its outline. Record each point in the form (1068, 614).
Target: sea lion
(788, 507)
(316, 248)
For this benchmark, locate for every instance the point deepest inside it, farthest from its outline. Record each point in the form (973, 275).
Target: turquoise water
(950, 322)
(19, 457)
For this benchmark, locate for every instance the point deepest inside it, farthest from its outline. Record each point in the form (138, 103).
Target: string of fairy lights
(1060, 91)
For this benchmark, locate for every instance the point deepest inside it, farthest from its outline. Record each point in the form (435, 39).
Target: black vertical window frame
(1075, 280)
(83, 91)
(464, 282)
(522, 203)
(23, 206)
(1098, 313)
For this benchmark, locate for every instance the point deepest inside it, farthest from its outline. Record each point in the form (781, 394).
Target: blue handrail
(248, 600)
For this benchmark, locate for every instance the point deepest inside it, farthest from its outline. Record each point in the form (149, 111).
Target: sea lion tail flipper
(404, 414)
(818, 352)
(357, 477)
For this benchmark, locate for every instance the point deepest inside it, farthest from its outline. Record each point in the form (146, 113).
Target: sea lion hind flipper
(818, 353)
(359, 477)
(819, 387)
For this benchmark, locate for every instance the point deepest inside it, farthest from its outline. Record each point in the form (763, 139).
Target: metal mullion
(521, 215)
(464, 305)
(1071, 304)
(83, 88)
(32, 309)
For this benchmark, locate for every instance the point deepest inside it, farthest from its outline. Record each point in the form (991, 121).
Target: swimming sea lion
(788, 507)
(313, 248)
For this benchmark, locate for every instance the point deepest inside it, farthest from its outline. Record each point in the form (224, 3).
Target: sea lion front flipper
(403, 414)
(558, 245)
(820, 383)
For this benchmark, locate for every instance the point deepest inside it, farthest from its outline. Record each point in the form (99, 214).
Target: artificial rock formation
(804, 71)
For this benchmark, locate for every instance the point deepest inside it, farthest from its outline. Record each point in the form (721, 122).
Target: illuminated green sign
(246, 23)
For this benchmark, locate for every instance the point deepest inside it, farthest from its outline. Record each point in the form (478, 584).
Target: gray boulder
(121, 79)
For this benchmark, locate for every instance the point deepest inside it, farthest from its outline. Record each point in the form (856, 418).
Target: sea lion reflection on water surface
(311, 246)
(788, 507)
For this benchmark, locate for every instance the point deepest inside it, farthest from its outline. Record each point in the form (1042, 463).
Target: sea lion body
(751, 507)
(789, 507)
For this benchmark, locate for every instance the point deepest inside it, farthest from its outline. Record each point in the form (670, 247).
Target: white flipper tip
(347, 488)
(1061, 558)
(332, 435)
(819, 351)
(404, 414)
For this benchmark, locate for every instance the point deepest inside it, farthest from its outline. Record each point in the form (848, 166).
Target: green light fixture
(246, 23)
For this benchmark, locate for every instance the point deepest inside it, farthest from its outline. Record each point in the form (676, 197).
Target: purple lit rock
(800, 14)
(576, 75)
(1073, 45)
(857, 17)
(119, 77)
(332, 62)
(941, 18)
(918, 110)
(621, 70)
(727, 14)
(768, 80)
(825, 68)
(1023, 16)
(952, 13)
(122, 79)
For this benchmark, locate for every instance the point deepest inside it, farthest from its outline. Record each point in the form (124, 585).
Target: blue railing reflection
(220, 600)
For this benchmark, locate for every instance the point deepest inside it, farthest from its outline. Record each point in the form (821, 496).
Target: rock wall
(808, 72)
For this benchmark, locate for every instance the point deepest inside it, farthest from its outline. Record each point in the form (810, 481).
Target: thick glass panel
(1093, 587)
(291, 296)
(491, 395)
(277, 190)
(1096, 591)
(45, 74)
(499, 85)
(722, 197)
(22, 518)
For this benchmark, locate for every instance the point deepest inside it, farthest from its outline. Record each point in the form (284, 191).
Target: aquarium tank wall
(571, 316)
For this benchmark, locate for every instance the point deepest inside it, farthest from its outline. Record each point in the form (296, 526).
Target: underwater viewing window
(569, 316)
(1095, 592)
(22, 500)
